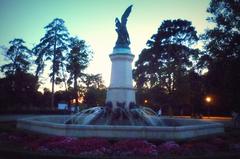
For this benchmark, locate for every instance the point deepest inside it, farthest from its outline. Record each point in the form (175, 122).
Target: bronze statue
(123, 40)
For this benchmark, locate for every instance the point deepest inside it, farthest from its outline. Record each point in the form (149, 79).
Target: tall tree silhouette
(222, 54)
(19, 90)
(223, 40)
(91, 80)
(95, 90)
(77, 61)
(18, 55)
(52, 47)
(166, 60)
(165, 63)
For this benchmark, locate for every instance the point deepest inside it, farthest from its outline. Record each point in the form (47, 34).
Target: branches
(18, 55)
(168, 57)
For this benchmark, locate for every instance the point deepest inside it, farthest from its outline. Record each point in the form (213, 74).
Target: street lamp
(208, 100)
(145, 101)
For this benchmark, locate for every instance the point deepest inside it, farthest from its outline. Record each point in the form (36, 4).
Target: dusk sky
(93, 21)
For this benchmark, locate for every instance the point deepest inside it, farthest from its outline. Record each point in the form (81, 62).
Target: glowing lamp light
(74, 101)
(145, 101)
(80, 100)
(208, 99)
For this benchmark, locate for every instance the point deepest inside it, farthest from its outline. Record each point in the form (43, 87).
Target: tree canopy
(162, 68)
(222, 53)
(168, 56)
(223, 41)
(77, 61)
(19, 57)
(19, 89)
(68, 56)
(52, 47)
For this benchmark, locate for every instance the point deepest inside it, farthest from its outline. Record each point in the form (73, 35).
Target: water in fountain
(136, 115)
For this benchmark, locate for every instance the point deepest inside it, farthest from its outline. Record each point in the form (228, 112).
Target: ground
(15, 143)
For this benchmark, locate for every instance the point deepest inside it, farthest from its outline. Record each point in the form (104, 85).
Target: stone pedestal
(121, 87)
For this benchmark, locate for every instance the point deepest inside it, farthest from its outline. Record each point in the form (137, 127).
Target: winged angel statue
(123, 40)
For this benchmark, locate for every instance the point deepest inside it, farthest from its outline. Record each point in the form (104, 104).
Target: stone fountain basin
(185, 129)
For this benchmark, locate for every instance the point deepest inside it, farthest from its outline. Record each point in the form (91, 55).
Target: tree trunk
(75, 90)
(64, 79)
(52, 99)
(54, 70)
(53, 80)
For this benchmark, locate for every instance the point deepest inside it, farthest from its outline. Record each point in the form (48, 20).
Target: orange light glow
(208, 99)
(80, 100)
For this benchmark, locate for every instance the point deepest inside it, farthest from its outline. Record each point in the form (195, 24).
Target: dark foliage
(19, 91)
(77, 61)
(222, 56)
(162, 68)
(52, 47)
(95, 96)
(19, 57)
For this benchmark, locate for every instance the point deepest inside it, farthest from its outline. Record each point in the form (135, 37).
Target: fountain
(121, 117)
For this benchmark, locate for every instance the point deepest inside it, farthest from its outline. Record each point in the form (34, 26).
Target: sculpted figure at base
(123, 40)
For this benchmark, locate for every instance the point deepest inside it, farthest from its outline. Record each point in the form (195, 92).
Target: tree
(77, 61)
(18, 55)
(46, 98)
(19, 89)
(168, 56)
(166, 61)
(222, 54)
(196, 92)
(95, 96)
(52, 47)
(95, 91)
(223, 41)
(63, 96)
(91, 80)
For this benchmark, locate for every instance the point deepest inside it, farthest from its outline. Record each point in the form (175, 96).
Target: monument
(120, 117)
(121, 92)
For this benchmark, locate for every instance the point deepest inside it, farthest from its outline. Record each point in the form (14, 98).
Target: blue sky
(93, 21)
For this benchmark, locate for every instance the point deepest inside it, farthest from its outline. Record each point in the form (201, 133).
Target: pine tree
(52, 47)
